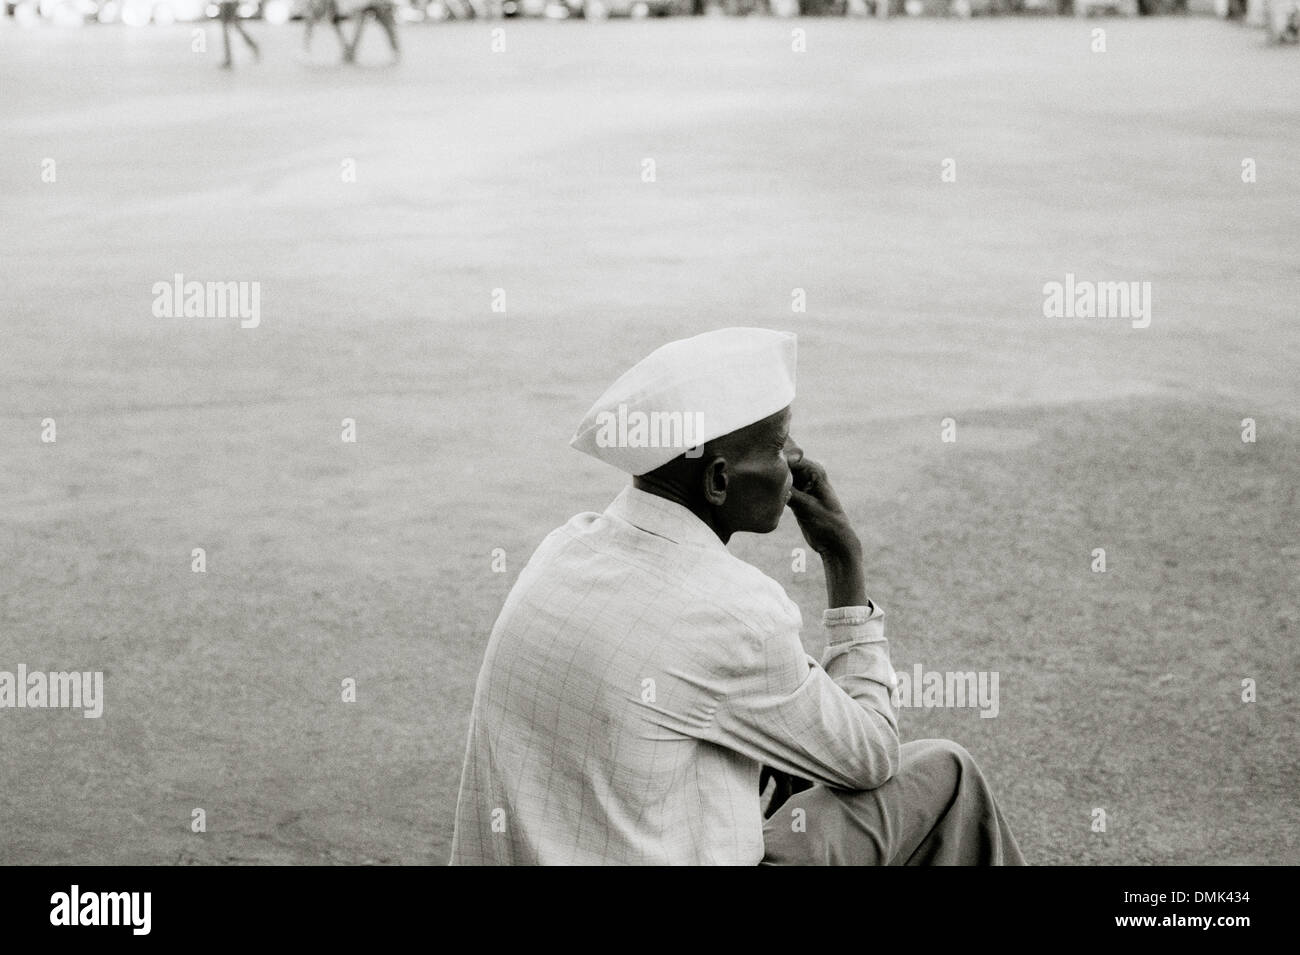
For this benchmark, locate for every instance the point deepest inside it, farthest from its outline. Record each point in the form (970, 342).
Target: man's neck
(676, 494)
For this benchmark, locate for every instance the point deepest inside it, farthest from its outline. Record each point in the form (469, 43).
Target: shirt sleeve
(834, 723)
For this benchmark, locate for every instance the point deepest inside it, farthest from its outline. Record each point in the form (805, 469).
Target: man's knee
(947, 749)
(946, 764)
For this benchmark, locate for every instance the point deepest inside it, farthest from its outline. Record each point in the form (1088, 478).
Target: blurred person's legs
(321, 10)
(385, 13)
(937, 810)
(229, 15)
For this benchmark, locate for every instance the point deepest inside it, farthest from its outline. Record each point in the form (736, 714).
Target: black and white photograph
(453, 433)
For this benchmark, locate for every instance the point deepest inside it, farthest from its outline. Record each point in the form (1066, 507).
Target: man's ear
(715, 479)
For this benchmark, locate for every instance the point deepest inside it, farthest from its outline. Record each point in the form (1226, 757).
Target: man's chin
(772, 522)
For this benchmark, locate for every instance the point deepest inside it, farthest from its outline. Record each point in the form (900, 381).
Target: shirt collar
(663, 518)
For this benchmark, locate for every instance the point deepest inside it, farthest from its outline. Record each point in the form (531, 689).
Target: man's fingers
(810, 477)
(804, 504)
(807, 474)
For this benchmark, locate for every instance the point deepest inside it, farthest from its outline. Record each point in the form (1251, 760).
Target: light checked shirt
(637, 679)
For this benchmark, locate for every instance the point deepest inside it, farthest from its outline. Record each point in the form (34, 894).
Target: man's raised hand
(827, 530)
(816, 507)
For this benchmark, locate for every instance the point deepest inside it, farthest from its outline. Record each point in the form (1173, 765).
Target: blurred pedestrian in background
(228, 14)
(385, 11)
(318, 10)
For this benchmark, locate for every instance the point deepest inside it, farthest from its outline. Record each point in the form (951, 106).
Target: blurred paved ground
(521, 171)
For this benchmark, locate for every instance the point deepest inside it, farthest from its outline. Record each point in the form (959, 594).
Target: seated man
(640, 678)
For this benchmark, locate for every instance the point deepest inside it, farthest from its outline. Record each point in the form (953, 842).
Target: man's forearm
(846, 584)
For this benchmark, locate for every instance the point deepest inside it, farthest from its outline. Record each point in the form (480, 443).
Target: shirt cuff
(855, 624)
(851, 616)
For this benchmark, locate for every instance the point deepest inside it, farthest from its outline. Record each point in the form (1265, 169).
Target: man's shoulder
(592, 553)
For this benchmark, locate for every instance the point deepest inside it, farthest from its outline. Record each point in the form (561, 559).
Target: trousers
(937, 809)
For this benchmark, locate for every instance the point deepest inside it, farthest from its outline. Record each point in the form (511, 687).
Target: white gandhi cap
(686, 393)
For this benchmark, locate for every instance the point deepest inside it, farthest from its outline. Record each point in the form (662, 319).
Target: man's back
(594, 735)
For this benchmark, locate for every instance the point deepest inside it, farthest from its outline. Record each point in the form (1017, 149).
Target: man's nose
(793, 453)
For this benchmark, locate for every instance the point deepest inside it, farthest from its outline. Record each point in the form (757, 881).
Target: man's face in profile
(758, 476)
